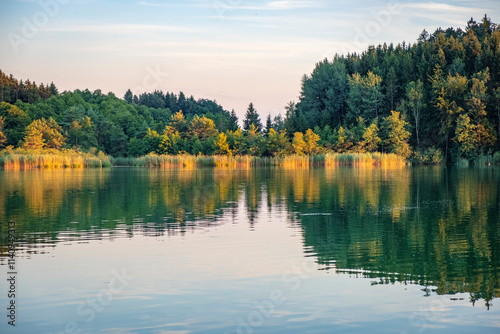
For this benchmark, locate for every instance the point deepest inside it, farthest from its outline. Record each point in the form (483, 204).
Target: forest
(433, 101)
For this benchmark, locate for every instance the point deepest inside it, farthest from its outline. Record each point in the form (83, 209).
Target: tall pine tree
(252, 117)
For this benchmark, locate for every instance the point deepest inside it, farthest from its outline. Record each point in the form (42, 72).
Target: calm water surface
(341, 250)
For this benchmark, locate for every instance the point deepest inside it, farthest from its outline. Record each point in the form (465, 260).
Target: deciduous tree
(298, 143)
(203, 128)
(396, 134)
(415, 95)
(41, 134)
(3, 138)
(221, 145)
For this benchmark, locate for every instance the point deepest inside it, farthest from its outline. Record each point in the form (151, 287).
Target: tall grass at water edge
(30, 159)
(48, 159)
(245, 161)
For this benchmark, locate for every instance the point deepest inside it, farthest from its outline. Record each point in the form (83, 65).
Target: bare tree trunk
(446, 151)
(416, 115)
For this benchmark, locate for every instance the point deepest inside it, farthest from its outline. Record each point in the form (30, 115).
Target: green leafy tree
(327, 136)
(151, 141)
(135, 147)
(396, 134)
(195, 145)
(277, 143)
(209, 145)
(74, 133)
(365, 96)
(172, 144)
(102, 126)
(15, 122)
(118, 141)
(71, 115)
(82, 133)
(255, 143)
(357, 134)
(322, 97)
(236, 141)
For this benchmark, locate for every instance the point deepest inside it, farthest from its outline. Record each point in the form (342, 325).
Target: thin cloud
(432, 12)
(122, 28)
(272, 5)
(152, 4)
(441, 7)
(293, 4)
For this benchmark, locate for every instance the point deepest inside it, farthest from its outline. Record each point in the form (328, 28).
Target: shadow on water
(435, 227)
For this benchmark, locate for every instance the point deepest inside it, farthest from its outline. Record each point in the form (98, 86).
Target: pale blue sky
(233, 51)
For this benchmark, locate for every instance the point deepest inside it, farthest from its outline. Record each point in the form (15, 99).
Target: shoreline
(71, 159)
(53, 159)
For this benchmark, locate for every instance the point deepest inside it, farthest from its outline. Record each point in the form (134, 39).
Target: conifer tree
(233, 121)
(252, 117)
(269, 124)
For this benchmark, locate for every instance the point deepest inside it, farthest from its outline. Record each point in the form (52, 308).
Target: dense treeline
(85, 120)
(435, 100)
(445, 86)
(12, 90)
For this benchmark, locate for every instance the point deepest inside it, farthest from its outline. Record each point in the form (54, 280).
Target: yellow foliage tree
(311, 142)
(179, 123)
(3, 138)
(298, 143)
(221, 145)
(43, 134)
(202, 127)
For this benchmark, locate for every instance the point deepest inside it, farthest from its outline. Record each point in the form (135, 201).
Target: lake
(264, 250)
